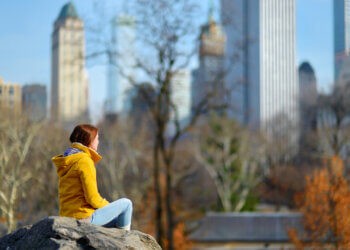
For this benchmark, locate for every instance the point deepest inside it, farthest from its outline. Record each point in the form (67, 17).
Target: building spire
(211, 11)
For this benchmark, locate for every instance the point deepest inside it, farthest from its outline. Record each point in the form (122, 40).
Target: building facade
(180, 89)
(260, 56)
(343, 77)
(10, 98)
(121, 67)
(308, 97)
(142, 97)
(341, 16)
(208, 78)
(69, 81)
(180, 100)
(34, 101)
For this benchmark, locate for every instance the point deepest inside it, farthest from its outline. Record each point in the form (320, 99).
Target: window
(11, 91)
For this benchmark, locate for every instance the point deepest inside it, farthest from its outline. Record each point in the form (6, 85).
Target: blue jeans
(115, 214)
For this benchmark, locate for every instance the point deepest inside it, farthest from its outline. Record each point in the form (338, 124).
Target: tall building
(260, 56)
(308, 97)
(10, 98)
(341, 15)
(344, 71)
(180, 97)
(209, 77)
(122, 62)
(308, 109)
(142, 97)
(34, 101)
(180, 89)
(69, 82)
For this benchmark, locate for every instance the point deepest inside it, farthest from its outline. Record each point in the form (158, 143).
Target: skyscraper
(122, 64)
(341, 23)
(208, 78)
(308, 109)
(34, 100)
(308, 97)
(180, 97)
(69, 84)
(260, 55)
(180, 91)
(142, 97)
(341, 15)
(344, 71)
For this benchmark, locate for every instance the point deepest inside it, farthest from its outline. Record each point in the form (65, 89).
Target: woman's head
(85, 134)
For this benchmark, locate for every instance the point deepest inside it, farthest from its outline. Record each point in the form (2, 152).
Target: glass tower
(341, 15)
(121, 65)
(260, 56)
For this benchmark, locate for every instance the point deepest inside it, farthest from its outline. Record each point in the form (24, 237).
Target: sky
(25, 41)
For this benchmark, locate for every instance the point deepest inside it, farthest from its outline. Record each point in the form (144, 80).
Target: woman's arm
(89, 183)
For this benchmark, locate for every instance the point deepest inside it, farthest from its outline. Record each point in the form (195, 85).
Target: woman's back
(78, 192)
(70, 170)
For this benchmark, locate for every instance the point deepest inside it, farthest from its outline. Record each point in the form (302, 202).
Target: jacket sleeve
(89, 183)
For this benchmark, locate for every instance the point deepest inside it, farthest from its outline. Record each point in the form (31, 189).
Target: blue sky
(315, 38)
(25, 40)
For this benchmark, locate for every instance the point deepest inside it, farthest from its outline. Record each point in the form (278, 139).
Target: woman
(78, 194)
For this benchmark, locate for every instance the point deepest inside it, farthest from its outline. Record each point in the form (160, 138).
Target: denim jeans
(115, 214)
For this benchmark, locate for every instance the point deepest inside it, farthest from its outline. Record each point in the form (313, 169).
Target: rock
(67, 233)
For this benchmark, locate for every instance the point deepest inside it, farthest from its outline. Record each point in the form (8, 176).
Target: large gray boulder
(66, 233)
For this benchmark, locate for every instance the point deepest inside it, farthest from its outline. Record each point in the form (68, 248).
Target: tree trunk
(242, 199)
(157, 191)
(169, 211)
(10, 221)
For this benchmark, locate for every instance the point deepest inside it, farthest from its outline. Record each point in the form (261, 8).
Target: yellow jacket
(77, 187)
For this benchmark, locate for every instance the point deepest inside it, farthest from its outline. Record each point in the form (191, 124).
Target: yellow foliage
(326, 207)
(181, 242)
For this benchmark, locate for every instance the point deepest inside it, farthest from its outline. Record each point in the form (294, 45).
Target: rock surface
(66, 233)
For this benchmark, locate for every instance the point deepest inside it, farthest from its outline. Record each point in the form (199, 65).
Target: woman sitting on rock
(78, 194)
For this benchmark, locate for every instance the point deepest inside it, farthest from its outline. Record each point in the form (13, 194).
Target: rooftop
(68, 10)
(246, 227)
(306, 67)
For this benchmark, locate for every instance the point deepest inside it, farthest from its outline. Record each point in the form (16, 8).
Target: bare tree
(334, 111)
(232, 159)
(16, 140)
(51, 140)
(167, 34)
(125, 165)
(281, 138)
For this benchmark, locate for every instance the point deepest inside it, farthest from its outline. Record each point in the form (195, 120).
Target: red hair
(84, 134)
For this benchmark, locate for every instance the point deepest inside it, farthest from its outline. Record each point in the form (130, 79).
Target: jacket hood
(64, 163)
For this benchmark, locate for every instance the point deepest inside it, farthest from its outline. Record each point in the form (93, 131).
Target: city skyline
(34, 33)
